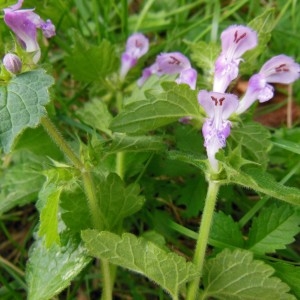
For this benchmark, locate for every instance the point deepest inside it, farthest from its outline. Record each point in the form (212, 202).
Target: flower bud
(12, 63)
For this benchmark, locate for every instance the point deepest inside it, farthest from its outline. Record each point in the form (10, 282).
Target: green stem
(61, 143)
(107, 280)
(120, 164)
(202, 240)
(90, 191)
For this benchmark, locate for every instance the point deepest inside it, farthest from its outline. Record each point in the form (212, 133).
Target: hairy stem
(90, 191)
(202, 239)
(61, 143)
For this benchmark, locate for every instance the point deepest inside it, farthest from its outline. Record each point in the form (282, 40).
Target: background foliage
(163, 184)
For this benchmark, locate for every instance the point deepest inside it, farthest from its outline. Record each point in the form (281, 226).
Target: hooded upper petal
(137, 45)
(236, 40)
(172, 62)
(24, 23)
(280, 69)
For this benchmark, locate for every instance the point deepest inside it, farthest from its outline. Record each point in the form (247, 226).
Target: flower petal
(137, 45)
(213, 103)
(172, 63)
(236, 40)
(188, 76)
(21, 24)
(280, 69)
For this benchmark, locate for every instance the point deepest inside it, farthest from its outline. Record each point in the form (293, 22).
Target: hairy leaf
(236, 276)
(123, 142)
(20, 183)
(226, 231)
(167, 269)
(274, 228)
(175, 102)
(48, 203)
(289, 274)
(117, 201)
(205, 55)
(22, 103)
(50, 270)
(95, 113)
(255, 141)
(91, 63)
(256, 178)
(199, 161)
(75, 211)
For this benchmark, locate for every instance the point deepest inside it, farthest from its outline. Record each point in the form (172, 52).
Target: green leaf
(95, 114)
(199, 161)
(236, 276)
(49, 214)
(167, 269)
(125, 143)
(273, 229)
(175, 102)
(257, 179)
(22, 103)
(91, 63)
(226, 231)
(38, 142)
(75, 211)
(255, 141)
(192, 195)
(50, 270)
(289, 274)
(205, 55)
(20, 183)
(117, 201)
(48, 203)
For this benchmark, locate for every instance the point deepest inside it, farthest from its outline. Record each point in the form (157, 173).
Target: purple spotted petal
(236, 40)
(218, 104)
(280, 69)
(137, 45)
(172, 63)
(188, 76)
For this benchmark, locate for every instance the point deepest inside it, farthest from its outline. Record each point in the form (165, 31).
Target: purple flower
(12, 63)
(216, 128)
(188, 76)
(147, 72)
(172, 63)
(24, 23)
(279, 69)
(137, 45)
(236, 40)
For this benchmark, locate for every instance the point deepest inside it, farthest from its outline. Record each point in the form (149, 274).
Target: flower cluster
(219, 106)
(24, 23)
